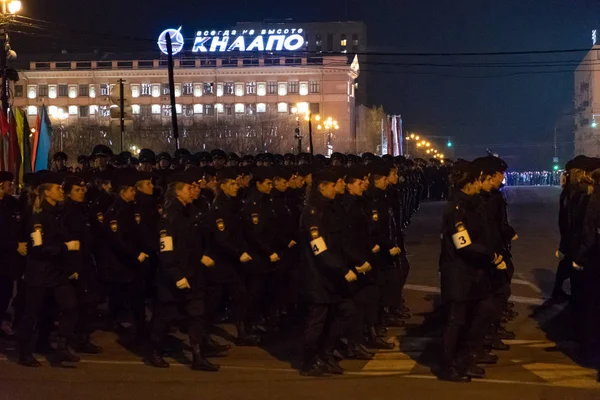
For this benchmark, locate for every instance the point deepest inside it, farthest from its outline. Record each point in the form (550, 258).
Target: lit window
(104, 89)
(250, 87)
(177, 90)
(239, 89)
(155, 109)
(282, 107)
(209, 88)
(135, 109)
(282, 91)
(261, 88)
(197, 89)
(219, 89)
(146, 89)
(198, 109)
(92, 91)
(52, 110)
(104, 111)
(51, 91)
(187, 110)
(32, 93)
(73, 110)
(135, 91)
(303, 88)
(315, 87)
(72, 91)
(240, 108)
(261, 108)
(32, 110)
(219, 107)
(187, 89)
(93, 110)
(178, 108)
(156, 90)
(166, 110)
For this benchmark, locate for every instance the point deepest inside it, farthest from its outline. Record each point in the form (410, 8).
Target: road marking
(563, 375)
(515, 299)
(527, 283)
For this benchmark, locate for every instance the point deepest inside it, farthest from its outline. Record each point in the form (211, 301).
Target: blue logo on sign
(176, 40)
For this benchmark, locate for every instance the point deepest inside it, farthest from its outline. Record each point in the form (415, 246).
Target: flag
(36, 137)
(4, 143)
(14, 153)
(43, 145)
(24, 142)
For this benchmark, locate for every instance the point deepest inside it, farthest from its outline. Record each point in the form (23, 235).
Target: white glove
(183, 284)
(350, 276)
(292, 244)
(207, 261)
(394, 251)
(274, 257)
(577, 267)
(142, 257)
(501, 266)
(498, 258)
(245, 258)
(363, 269)
(73, 245)
(376, 249)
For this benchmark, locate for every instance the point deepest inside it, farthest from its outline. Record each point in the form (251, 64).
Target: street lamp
(14, 6)
(61, 116)
(9, 9)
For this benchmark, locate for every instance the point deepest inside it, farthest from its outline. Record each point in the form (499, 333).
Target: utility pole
(297, 135)
(172, 91)
(122, 112)
(310, 138)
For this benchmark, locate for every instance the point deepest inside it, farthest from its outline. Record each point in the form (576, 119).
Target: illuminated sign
(594, 37)
(176, 40)
(247, 40)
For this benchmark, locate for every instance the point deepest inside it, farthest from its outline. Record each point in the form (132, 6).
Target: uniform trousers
(166, 312)
(325, 325)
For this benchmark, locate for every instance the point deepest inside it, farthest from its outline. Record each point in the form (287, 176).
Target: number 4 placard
(318, 246)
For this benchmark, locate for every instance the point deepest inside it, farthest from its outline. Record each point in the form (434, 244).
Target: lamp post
(61, 116)
(9, 9)
(329, 124)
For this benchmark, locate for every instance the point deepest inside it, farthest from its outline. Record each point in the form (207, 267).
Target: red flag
(36, 138)
(4, 144)
(14, 152)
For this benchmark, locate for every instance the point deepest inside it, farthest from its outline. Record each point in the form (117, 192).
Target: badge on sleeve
(113, 225)
(138, 218)
(100, 217)
(375, 216)
(36, 235)
(166, 242)
(220, 224)
(314, 232)
(255, 219)
(318, 246)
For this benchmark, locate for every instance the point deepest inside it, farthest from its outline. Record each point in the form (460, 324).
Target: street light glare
(14, 6)
(318, 118)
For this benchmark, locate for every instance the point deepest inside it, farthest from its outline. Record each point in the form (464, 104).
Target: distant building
(587, 104)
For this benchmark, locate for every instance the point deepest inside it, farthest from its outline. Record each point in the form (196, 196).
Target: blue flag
(43, 146)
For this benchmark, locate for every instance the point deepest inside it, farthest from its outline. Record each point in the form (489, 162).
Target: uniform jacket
(10, 230)
(465, 272)
(261, 229)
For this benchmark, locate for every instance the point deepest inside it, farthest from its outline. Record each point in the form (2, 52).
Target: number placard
(166, 243)
(36, 238)
(318, 246)
(461, 239)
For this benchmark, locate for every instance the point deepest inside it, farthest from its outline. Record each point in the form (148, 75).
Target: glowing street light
(14, 6)
(412, 136)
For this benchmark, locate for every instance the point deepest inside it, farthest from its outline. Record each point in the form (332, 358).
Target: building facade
(587, 105)
(208, 88)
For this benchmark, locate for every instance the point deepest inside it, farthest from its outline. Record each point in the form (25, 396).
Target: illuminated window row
(239, 89)
(165, 109)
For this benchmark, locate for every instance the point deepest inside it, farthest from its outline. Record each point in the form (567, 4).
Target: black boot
(84, 345)
(26, 358)
(64, 352)
(376, 342)
(356, 352)
(451, 374)
(244, 338)
(43, 346)
(155, 358)
(466, 366)
(211, 348)
(333, 365)
(505, 335)
(313, 366)
(199, 363)
(485, 357)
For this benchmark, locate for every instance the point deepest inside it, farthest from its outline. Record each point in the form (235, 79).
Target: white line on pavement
(516, 299)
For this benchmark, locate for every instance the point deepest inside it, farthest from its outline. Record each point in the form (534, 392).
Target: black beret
(289, 157)
(180, 153)
(189, 159)
(261, 174)
(278, 159)
(203, 156)
(356, 171)
(101, 150)
(49, 177)
(72, 180)
(325, 175)
(6, 176)
(188, 176)
(147, 156)
(283, 173)
(379, 169)
(228, 173)
(164, 156)
(248, 158)
(489, 165)
(339, 171)
(60, 156)
(218, 153)
(208, 172)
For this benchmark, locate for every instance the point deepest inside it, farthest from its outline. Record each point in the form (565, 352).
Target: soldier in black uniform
(121, 259)
(219, 158)
(325, 278)
(231, 254)
(59, 162)
(147, 160)
(78, 227)
(260, 225)
(12, 246)
(465, 264)
(181, 282)
(359, 250)
(46, 272)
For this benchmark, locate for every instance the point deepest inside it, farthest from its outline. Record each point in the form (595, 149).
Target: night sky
(512, 115)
